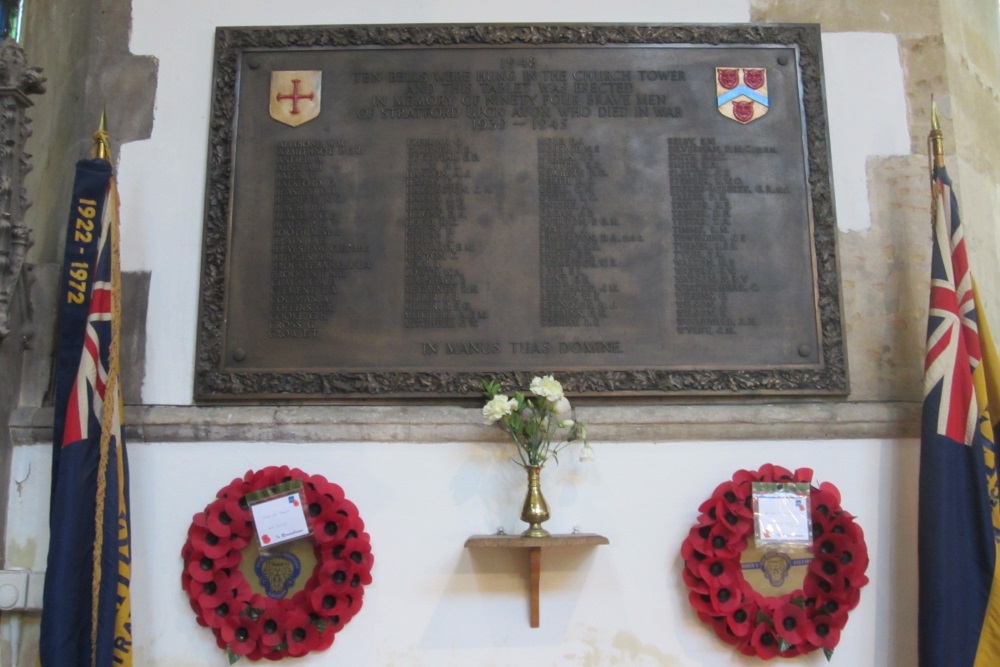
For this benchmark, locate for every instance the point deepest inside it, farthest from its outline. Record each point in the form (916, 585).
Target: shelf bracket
(534, 545)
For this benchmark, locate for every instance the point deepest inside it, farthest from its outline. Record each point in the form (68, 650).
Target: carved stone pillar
(17, 81)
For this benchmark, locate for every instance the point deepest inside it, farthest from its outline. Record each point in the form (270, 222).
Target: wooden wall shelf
(534, 545)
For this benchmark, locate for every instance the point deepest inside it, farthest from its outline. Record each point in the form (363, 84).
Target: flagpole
(935, 140)
(102, 146)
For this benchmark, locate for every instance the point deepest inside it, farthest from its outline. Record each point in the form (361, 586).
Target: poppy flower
(325, 488)
(224, 613)
(851, 597)
(208, 542)
(265, 477)
(713, 540)
(702, 603)
(359, 572)
(335, 572)
(241, 636)
(235, 489)
(336, 622)
(827, 630)
(722, 630)
(790, 623)
(212, 593)
(772, 473)
(696, 546)
(199, 566)
(723, 521)
(301, 634)
(271, 624)
(327, 599)
(720, 571)
(318, 509)
(850, 556)
(224, 517)
(731, 511)
(741, 620)
(239, 589)
(743, 482)
(333, 523)
(695, 583)
(353, 603)
(736, 501)
(764, 642)
(725, 599)
(729, 494)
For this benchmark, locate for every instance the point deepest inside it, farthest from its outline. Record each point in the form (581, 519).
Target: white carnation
(498, 407)
(548, 387)
(562, 407)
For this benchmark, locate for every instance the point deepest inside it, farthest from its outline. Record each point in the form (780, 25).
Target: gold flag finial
(102, 146)
(935, 141)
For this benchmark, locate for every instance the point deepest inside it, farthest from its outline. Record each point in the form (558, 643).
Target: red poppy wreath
(273, 625)
(767, 626)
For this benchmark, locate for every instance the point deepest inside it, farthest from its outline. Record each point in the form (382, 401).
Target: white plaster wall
(433, 603)
(866, 103)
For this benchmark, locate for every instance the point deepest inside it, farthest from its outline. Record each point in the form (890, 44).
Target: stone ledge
(425, 424)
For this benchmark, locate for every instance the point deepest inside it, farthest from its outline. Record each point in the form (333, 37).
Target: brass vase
(535, 510)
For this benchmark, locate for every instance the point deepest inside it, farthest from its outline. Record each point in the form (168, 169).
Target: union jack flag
(959, 521)
(86, 602)
(953, 351)
(88, 392)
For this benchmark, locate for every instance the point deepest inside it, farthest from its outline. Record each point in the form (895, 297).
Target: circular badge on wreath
(797, 622)
(269, 603)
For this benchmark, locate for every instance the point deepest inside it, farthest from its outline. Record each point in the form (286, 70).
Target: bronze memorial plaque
(401, 211)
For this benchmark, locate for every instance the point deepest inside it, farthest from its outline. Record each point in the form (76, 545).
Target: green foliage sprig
(540, 423)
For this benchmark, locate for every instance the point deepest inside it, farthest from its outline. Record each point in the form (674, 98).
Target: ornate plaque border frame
(212, 385)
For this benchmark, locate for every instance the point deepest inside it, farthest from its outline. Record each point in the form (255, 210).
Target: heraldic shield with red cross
(742, 92)
(295, 96)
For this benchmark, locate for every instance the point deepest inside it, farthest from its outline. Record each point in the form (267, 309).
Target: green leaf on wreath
(828, 652)
(799, 602)
(283, 646)
(253, 612)
(321, 624)
(784, 646)
(763, 618)
(232, 656)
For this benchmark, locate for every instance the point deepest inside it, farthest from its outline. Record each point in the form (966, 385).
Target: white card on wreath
(781, 512)
(280, 519)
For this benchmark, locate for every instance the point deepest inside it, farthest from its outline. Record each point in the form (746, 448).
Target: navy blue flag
(86, 605)
(959, 574)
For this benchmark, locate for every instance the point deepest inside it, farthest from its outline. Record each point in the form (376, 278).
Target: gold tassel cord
(109, 407)
(112, 393)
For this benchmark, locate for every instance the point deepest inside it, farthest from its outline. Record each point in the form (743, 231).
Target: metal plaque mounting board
(401, 211)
